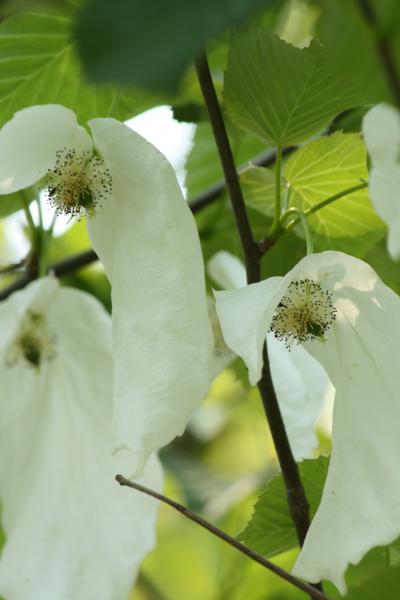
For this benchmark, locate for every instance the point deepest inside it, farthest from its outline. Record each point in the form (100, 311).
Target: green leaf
(151, 42)
(10, 203)
(39, 66)
(258, 185)
(324, 168)
(383, 585)
(270, 530)
(280, 93)
(351, 41)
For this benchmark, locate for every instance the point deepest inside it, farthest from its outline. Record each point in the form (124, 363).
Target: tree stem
(250, 248)
(301, 585)
(298, 505)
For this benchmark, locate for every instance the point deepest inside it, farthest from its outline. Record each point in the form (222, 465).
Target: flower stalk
(278, 168)
(301, 218)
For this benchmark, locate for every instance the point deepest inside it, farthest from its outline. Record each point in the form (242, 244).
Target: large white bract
(300, 383)
(358, 349)
(146, 238)
(71, 531)
(381, 129)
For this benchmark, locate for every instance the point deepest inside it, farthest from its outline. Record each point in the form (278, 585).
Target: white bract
(349, 321)
(71, 531)
(301, 384)
(381, 129)
(146, 238)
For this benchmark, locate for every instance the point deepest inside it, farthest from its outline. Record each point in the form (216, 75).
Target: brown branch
(13, 267)
(59, 269)
(383, 48)
(250, 247)
(301, 585)
(297, 501)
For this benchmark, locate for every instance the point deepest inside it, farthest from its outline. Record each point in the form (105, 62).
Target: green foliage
(39, 66)
(351, 42)
(270, 530)
(382, 585)
(288, 94)
(13, 202)
(258, 184)
(326, 167)
(150, 43)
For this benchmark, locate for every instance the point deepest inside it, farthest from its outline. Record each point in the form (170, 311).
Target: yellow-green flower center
(78, 182)
(305, 313)
(33, 343)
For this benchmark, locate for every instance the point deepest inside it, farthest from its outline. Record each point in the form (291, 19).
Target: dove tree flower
(381, 129)
(146, 238)
(340, 311)
(301, 384)
(71, 532)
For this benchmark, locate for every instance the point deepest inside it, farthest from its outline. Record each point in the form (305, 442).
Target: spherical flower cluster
(305, 313)
(78, 182)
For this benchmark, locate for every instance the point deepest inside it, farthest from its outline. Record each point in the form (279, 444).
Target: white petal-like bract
(359, 507)
(302, 387)
(29, 143)
(381, 129)
(300, 383)
(71, 531)
(147, 240)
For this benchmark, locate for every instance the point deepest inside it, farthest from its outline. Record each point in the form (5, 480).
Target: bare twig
(13, 267)
(301, 585)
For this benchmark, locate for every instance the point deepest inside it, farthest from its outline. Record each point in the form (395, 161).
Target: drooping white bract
(381, 129)
(350, 322)
(147, 240)
(300, 383)
(71, 531)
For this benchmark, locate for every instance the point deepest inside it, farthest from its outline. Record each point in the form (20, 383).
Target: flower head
(359, 354)
(300, 383)
(305, 313)
(145, 236)
(33, 343)
(78, 182)
(61, 508)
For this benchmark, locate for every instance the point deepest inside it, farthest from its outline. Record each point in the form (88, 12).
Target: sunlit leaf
(324, 168)
(258, 184)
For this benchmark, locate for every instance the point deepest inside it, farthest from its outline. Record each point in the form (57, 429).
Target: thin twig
(250, 248)
(13, 267)
(383, 48)
(297, 501)
(301, 585)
